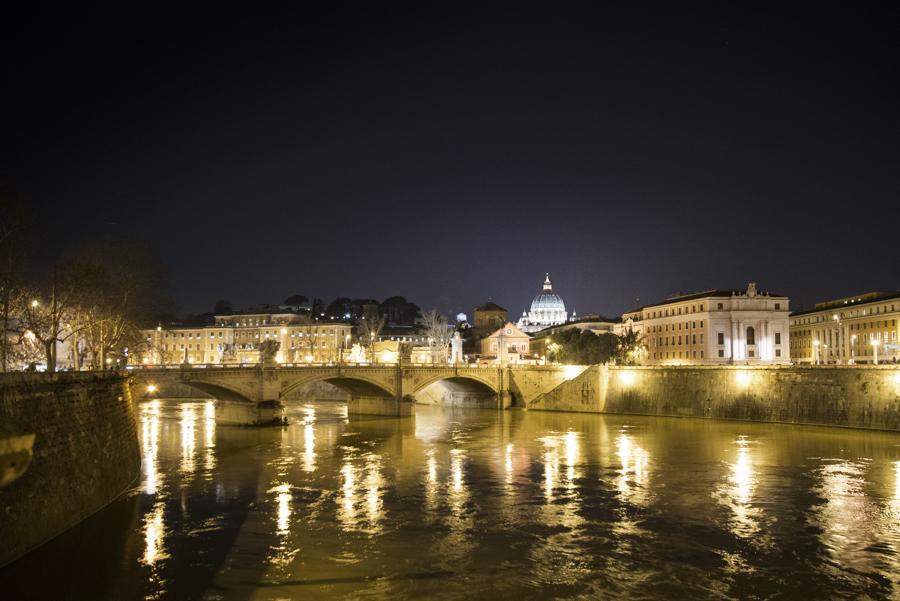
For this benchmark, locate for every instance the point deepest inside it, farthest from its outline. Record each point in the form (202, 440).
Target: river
(473, 504)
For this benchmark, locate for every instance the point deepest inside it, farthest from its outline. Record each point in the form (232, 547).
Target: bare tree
(438, 332)
(369, 328)
(13, 231)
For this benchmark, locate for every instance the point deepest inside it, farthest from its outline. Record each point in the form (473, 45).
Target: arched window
(751, 336)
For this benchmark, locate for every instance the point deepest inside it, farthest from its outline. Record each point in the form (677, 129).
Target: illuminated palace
(856, 329)
(547, 309)
(236, 339)
(714, 327)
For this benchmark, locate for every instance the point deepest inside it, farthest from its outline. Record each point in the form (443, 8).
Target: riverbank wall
(850, 396)
(85, 453)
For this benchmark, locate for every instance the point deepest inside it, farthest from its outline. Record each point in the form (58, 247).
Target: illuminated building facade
(848, 330)
(715, 327)
(236, 339)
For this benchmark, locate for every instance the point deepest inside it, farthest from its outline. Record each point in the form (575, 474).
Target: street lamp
(875, 344)
(34, 304)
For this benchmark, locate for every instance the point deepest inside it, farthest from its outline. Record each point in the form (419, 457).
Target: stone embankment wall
(852, 396)
(86, 453)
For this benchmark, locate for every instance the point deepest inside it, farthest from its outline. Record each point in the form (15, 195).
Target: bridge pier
(238, 413)
(376, 405)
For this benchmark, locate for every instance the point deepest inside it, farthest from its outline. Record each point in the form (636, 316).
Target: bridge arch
(216, 389)
(456, 390)
(355, 386)
(457, 378)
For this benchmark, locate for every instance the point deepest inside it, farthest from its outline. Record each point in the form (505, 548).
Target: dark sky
(452, 152)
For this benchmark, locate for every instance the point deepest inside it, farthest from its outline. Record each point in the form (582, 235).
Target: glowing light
(284, 330)
(154, 533)
(309, 448)
(571, 371)
(743, 378)
(34, 304)
(627, 378)
(633, 473)
(188, 444)
(150, 445)
(283, 517)
(151, 388)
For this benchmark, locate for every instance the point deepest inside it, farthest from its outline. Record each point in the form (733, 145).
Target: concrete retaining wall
(858, 396)
(85, 454)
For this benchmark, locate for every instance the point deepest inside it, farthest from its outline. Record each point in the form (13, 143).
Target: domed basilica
(547, 309)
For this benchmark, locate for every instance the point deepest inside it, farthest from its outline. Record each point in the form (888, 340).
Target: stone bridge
(254, 394)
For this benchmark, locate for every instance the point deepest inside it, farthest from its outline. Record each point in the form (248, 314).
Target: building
(236, 338)
(848, 330)
(547, 309)
(488, 317)
(508, 344)
(714, 327)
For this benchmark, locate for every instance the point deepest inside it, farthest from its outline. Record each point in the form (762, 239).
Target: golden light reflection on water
(897, 480)
(283, 499)
(738, 489)
(209, 438)
(150, 446)
(373, 484)
(559, 556)
(188, 442)
(309, 448)
(361, 505)
(845, 516)
(508, 465)
(632, 479)
(154, 535)
(346, 511)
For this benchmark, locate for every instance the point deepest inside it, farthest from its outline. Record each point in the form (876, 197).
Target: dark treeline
(90, 304)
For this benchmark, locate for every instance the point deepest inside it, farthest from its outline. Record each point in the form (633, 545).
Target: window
(751, 353)
(720, 339)
(777, 337)
(778, 352)
(693, 339)
(778, 306)
(751, 336)
(721, 306)
(721, 352)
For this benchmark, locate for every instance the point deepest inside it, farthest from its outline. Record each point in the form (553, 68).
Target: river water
(473, 504)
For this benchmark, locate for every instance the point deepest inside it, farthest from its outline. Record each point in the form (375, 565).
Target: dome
(549, 300)
(547, 309)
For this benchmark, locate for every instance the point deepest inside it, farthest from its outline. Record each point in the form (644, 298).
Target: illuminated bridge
(254, 394)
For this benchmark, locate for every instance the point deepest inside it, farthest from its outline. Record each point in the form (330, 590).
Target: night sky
(455, 152)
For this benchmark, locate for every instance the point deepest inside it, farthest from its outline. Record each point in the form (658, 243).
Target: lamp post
(875, 344)
(816, 344)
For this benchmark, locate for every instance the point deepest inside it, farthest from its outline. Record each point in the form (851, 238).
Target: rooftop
(859, 299)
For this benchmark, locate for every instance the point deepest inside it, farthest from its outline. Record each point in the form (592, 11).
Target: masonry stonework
(857, 397)
(86, 453)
